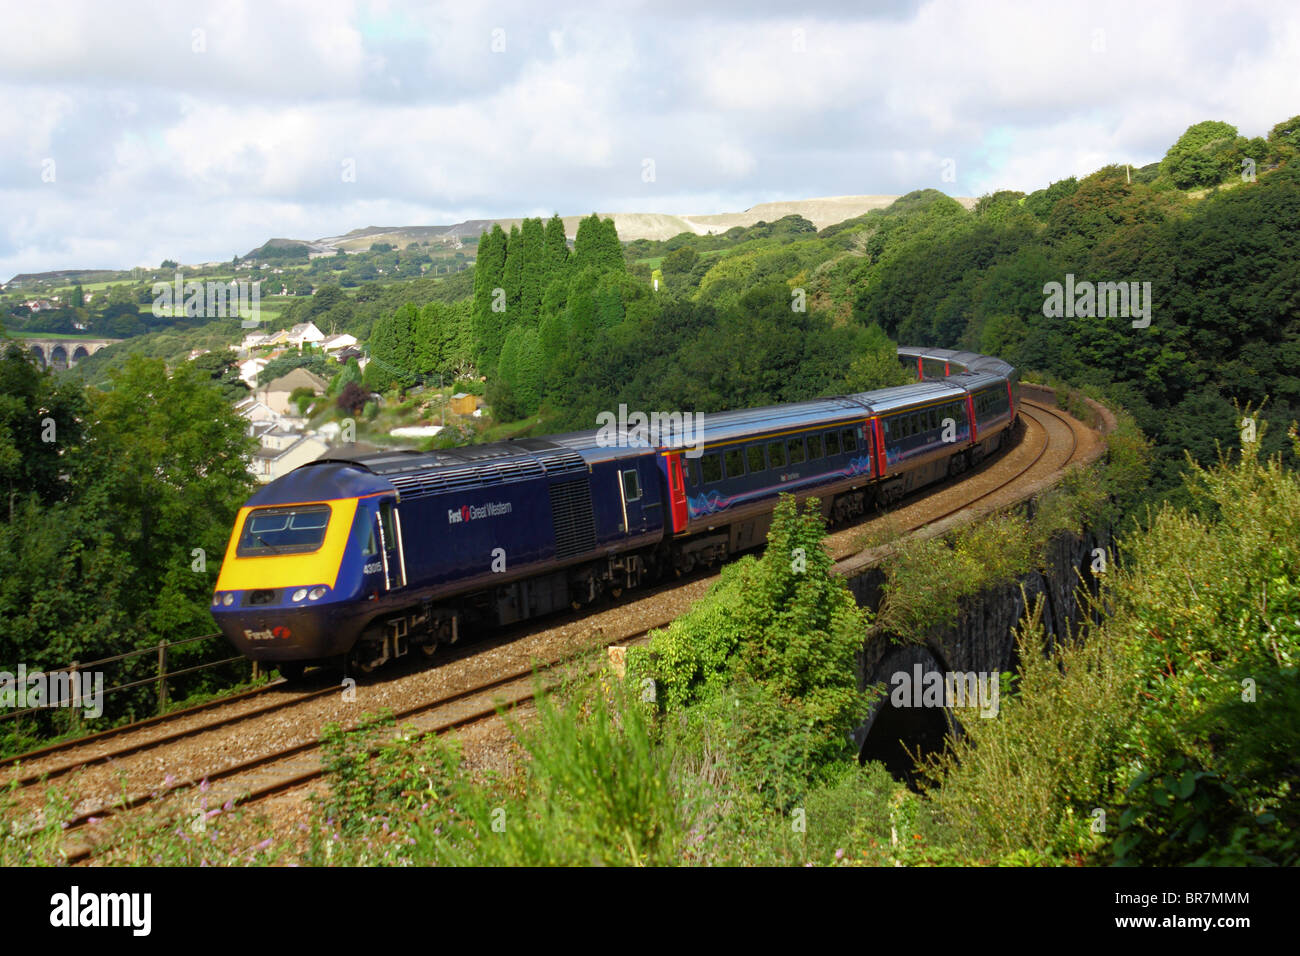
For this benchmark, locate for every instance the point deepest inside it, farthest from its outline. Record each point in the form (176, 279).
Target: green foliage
(1194, 159)
(1031, 777)
(785, 630)
(99, 555)
(1176, 714)
(596, 791)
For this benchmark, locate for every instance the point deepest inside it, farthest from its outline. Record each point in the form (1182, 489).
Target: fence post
(73, 694)
(162, 675)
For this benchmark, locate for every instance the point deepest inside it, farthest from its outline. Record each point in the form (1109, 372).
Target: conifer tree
(611, 250)
(514, 276)
(586, 244)
(533, 277)
(555, 249)
(489, 275)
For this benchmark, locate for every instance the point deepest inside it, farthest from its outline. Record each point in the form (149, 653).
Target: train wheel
(291, 671)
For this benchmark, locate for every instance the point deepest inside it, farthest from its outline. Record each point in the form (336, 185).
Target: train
(359, 558)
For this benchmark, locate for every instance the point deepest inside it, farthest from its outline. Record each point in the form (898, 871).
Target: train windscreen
(295, 530)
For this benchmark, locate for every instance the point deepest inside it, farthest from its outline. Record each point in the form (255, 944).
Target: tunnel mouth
(907, 724)
(900, 737)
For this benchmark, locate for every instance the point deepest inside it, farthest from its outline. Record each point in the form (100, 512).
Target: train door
(642, 510)
(390, 545)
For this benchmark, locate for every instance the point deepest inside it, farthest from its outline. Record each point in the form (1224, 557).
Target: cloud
(199, 131)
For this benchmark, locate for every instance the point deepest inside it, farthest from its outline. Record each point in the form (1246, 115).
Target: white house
(336, 342)
(254, 340)
(305, 333)
(248, 370)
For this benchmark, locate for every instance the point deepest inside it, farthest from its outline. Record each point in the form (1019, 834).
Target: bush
(352, 399)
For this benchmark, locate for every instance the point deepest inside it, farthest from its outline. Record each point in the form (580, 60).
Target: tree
(1194, 159)
(586, 245)
(513, 277)
(41, 427)
(611, 250)
(489, 276)
(680, 260)
(352, 399)
(223, 369)
(555, 250)
(532, 271)
(393, 348)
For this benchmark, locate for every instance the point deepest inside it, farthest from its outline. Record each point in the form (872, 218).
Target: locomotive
(361, 558)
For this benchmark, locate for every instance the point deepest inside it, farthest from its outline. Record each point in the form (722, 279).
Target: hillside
(821, 212)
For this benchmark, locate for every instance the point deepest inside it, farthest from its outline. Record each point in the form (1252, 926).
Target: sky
(131, 132)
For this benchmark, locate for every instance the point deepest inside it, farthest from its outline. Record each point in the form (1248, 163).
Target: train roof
(323, 481)
(356, 470)
(970, 361)
(415, 473)
(905, 396)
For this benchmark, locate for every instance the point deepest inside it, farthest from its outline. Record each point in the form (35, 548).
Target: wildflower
(839, 854)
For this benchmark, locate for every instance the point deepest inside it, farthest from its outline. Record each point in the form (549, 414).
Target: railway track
(285, 768)
(294, 766)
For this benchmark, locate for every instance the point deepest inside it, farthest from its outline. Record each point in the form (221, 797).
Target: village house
(337, 342)
(255, 412)
(249, 369)
(276, 394)
(282, 451)
(305, 333)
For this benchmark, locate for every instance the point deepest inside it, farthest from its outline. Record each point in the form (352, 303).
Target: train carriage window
(850, 441)
(833, 443)
(756, 461)
(814, 447)
(735, 462)
(631, 486)
(711, 467)
(795, 447)
(776, 454)
(693, 472)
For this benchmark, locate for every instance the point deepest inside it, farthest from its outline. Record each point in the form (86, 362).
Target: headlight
(299, 594)
(318, 593)
(228, 600)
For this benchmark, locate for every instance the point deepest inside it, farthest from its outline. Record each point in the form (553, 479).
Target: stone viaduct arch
(63, 353)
